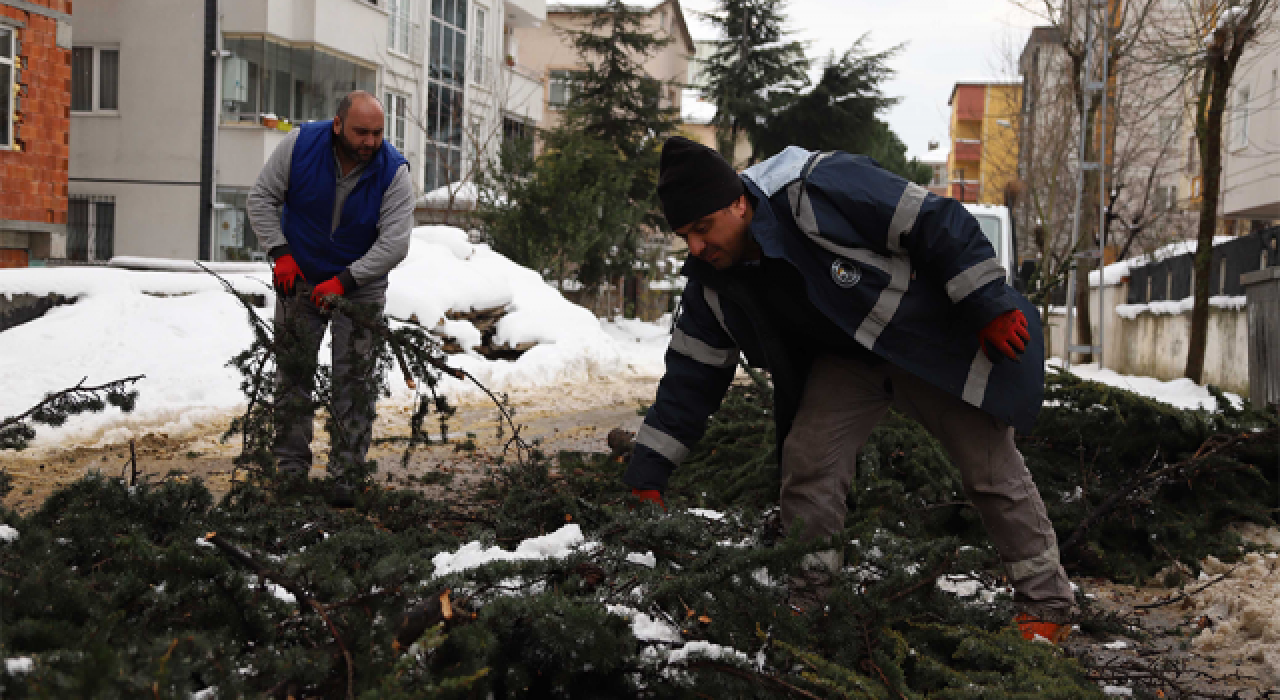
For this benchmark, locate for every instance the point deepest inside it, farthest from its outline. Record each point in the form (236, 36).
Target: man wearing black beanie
(859, 291)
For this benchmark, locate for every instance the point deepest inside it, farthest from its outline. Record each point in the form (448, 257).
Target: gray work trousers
(353, 423)
(844, 399)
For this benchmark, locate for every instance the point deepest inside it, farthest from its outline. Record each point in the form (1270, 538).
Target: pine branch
(247, 560)
(1214, 445)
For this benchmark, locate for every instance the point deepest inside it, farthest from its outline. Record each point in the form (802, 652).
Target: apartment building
(176, 107)
(984, 140)
(35, 40)
(1251, 138)
(545, 50)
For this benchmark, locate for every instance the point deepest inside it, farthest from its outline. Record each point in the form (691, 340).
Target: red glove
(329, 288)
(650, 495)
(1006, 333)
(285, 274)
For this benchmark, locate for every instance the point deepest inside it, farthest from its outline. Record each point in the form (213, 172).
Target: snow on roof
(1117, 271)
(696, 109)
(457, 195)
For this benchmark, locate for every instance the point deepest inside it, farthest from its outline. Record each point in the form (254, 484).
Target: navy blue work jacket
(906, 273)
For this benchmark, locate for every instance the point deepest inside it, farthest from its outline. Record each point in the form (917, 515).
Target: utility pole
(1097, 54)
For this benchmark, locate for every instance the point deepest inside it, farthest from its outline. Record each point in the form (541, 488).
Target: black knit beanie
(694, 181)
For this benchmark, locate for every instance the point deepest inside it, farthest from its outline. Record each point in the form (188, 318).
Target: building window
(95, 79)
(479, 62)
(446, 75)
(292, 83)
(1240, 119)
(1166, 198)
(400, 26)
(91, 227)
(560, 86)
(6, 87)
(234, 239)
(397, 107)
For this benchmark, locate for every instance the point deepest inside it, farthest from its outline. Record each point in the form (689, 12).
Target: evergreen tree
(553, 212)
(753, 72)
(841, 113)
(614, 101)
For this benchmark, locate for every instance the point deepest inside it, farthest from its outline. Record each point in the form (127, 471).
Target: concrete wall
(155, 135)
(1155, 345)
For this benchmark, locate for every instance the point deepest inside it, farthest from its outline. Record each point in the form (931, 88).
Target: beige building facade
(206, 91)
(545, 51)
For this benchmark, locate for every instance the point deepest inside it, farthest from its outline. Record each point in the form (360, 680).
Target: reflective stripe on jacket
(906, 273)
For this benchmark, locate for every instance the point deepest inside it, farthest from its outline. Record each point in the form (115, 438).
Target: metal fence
(1173, 278)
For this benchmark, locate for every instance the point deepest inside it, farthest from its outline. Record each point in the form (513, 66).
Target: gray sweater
(395, 219)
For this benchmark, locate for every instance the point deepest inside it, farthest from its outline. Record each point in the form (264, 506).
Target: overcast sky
(947, 41)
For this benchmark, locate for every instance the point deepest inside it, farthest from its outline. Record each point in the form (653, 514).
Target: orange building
(984, 140)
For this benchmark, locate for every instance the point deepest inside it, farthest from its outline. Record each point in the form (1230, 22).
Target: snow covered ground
(1180, 393)
(180, 329)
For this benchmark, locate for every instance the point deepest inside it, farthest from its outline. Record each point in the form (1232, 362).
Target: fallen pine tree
(555, 584)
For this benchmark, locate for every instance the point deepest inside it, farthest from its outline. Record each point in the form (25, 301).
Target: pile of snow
(1243, 611)
(180, 330)
(555, 545)
(1114, 273)
(8, 533)
(1179, 393)
(1182, 306)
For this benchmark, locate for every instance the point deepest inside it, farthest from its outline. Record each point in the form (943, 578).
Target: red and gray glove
(1007, 334)
(285, 274)
(329, 288)
(650, 495)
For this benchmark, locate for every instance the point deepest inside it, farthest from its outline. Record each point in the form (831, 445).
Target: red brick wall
(33, 180)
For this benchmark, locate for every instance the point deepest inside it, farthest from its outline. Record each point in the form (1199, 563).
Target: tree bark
(1220, 66)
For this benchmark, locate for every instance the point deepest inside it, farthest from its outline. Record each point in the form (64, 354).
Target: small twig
(933, 576)
(133, 462)
(1186, 594)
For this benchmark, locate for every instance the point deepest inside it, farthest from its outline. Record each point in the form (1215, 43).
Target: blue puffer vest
(320, 250)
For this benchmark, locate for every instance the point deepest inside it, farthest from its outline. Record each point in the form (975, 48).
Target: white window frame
(95, 99)
(1240, 119)
(399, 26)
(12, 63)
(392, 98)
(479, 68)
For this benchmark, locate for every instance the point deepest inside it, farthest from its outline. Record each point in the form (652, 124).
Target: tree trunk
(1218, 74)
(1210, 188)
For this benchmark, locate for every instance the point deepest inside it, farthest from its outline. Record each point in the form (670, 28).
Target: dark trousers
(353, 420)
(843, 400)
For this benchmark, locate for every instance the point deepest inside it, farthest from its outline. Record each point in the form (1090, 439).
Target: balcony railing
(967, 149)
(965, 191)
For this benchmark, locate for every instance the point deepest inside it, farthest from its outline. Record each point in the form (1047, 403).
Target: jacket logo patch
(844, 273)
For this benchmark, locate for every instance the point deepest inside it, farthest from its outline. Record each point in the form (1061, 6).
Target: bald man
(332, 206)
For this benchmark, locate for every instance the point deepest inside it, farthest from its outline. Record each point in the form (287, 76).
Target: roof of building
(981, 83)
(582, 6)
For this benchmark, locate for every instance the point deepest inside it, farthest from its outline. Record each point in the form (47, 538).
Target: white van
(998, 225)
